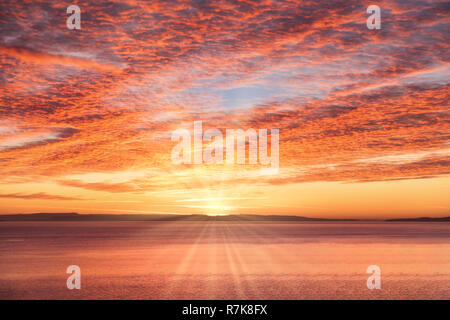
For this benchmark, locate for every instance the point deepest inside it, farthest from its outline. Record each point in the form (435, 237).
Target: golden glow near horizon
(382, 199)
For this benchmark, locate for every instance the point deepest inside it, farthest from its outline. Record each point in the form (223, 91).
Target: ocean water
(224, 260)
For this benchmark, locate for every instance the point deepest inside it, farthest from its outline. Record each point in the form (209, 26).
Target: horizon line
(272, 216)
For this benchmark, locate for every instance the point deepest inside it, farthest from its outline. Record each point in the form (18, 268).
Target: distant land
(73, 216)
(422, 219)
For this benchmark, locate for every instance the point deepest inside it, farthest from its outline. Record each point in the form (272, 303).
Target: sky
(86, 116)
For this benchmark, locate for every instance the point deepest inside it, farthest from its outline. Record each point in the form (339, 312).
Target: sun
(217, 214)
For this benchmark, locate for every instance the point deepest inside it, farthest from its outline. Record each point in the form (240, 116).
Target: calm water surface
(224, 260)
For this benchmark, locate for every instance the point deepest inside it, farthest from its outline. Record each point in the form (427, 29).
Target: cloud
(32, 137)
(34, 57)
(106, 98)
(102, 186)
(37, 196)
